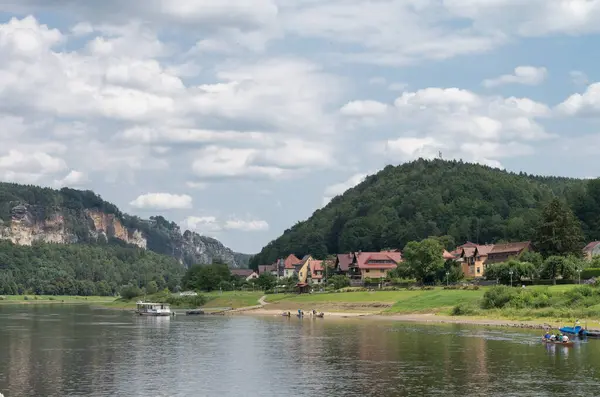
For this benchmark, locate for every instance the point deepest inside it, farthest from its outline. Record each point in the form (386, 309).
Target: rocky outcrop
(197, 249)
(31, 223)
(108, 225)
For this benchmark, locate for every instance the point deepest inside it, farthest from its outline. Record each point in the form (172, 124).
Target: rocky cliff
(29, 214)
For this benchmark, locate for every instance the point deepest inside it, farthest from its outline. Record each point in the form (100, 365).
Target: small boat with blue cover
(577, 330)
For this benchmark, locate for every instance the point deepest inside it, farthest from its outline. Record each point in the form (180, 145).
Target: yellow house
(474, 258)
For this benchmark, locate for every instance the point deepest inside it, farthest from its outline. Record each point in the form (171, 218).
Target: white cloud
(455, 122)
(534, 18)
(221, 162)
(363, 108)
(196, 185)
(246, 226)
(437, 97)
(162, 201)
(202, 224)
(170, 135)
(411, 147)
(72, 179)
(38, 162)
(339, 188)
(281, 160)
(387, 32)
(586, 104)
(212, 225)
(527, 75)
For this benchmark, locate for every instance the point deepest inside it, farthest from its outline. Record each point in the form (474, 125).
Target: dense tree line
(83, 269)
(410, 202)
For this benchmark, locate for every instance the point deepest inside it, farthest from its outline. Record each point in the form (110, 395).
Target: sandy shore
(273, 312)
(429, 318)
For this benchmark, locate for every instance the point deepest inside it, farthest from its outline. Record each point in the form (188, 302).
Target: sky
(238, 118)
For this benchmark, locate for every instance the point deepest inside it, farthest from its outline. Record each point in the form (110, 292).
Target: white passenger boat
(152, 309)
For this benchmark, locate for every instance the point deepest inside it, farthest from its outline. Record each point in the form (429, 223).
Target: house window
(367, 271)
(478, 270)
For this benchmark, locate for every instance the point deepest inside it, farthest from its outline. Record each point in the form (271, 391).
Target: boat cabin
(153, 309)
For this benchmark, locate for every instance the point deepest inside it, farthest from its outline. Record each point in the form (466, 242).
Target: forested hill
(31, 214)
(468, 202)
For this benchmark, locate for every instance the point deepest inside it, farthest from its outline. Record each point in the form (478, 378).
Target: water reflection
(77, 351)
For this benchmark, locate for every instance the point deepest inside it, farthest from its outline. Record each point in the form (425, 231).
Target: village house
(474, 258)
(505, 251)
(290, 265)
(315, 271)
(363, 265)
(247, 274)
(343, 262)
(591, 250)
(269, 269)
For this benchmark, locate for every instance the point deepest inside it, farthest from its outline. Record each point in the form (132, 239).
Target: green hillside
(82, 269)
(429, 198)
(77, 216)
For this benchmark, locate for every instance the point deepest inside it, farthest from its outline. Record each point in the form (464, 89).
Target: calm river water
(80, 351)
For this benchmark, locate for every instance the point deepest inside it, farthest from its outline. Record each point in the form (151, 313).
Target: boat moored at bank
(153, 309)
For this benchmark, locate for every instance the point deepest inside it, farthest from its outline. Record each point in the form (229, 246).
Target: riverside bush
(497, 297)
(579, 299)
(464, 309)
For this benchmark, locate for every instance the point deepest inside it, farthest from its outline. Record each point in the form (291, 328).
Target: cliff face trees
(559, 231)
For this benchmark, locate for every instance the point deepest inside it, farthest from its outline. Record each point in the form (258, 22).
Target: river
(80, 351)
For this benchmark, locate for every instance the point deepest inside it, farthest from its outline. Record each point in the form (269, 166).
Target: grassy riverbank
(54, 299)
(212, 300)
(538, 304)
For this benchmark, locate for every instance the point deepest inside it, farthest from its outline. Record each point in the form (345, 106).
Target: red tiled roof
(316, 265)
(265, 269)
(345, 260)
(510, 247)
(591, 246)
(363, 259)
(482, 250)
(468, 252)
(290, 261)
(242, 272)
(446, 255)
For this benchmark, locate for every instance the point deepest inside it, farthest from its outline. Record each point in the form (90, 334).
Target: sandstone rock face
(107, 225)
(30, 224)
(25, 227)
(197, 249)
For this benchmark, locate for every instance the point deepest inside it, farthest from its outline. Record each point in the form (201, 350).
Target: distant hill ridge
(30, 214)
(412, 201)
